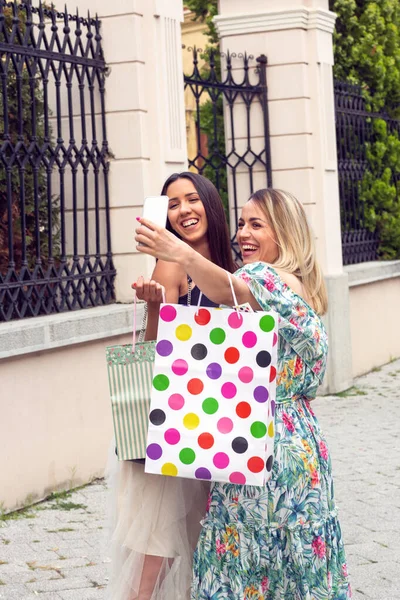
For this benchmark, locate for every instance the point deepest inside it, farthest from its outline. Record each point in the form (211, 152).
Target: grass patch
(59, 495)
(62, 530)
(6, 542)
(3, 562)
(376, 369)
(2, 582)
(353, 391)
(23, 513)
(61, 505)
(59, 500)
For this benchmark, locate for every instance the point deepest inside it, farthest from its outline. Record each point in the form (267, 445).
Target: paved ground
(57, 552)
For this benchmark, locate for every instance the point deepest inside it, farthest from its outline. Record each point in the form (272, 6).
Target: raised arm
(211, 279)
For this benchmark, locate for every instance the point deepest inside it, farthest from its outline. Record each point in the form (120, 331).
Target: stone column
(297, 40)
(145, 115)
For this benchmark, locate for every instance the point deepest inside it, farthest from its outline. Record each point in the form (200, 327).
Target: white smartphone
(155, 209)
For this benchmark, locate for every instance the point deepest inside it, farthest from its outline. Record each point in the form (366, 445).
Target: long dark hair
(217, 233)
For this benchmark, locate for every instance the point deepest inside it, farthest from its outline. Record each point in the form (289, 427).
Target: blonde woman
(282, 540)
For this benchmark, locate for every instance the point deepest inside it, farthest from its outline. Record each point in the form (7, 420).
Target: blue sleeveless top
(195, 298)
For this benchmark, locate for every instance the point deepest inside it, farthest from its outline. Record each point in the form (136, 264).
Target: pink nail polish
(137, 218)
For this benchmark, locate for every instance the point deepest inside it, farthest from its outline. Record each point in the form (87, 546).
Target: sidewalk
(56, 551)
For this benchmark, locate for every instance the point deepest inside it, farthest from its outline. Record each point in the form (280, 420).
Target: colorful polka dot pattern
(213, 400)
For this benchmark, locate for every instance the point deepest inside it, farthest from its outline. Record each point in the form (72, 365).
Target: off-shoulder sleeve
(299, 325)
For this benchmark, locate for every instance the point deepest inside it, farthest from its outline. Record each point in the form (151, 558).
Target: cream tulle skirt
(155, 527)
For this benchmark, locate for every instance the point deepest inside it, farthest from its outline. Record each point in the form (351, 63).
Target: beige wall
(296, 37)
(375, 329)
(192, 36)
(59, 426)
(145, 115)
(58, 423)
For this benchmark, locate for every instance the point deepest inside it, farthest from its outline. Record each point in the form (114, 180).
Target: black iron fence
(355, 133)
(55, 247)
(228, 126)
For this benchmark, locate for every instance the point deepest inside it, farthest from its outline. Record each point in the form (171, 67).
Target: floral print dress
(281, 541)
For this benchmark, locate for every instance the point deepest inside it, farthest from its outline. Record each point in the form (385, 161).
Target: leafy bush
(367, 50)
(380, 189)
(205, 11)
(367, 53)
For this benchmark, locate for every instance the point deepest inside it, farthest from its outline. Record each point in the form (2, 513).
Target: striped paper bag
(130, 377)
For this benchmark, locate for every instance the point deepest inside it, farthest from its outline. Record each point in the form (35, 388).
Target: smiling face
(255, 236)
(186, 212)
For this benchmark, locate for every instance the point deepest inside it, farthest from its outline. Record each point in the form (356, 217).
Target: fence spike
(53, 17)
(66, 22)
(212, 59)
(29, 12)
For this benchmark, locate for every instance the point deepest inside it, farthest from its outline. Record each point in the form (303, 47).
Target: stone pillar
(297, 40)
(145, 115)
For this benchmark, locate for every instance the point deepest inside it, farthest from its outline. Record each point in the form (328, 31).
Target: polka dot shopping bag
(213, 394)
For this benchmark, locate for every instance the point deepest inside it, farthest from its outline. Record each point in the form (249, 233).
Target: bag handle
(143, 327)
(235, 302)
(235, 305)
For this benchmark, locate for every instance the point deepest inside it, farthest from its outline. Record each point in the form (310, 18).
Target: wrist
(187, 257)
(153, 304)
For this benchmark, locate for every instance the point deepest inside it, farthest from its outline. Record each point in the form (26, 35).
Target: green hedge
(367, 53)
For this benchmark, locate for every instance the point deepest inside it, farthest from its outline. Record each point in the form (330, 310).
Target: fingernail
(137, 218)
(134, 285)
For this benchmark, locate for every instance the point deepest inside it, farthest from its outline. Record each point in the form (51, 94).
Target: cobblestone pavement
(56, 551)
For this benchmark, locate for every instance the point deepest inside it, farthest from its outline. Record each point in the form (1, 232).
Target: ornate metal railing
(228, 126)
(354, 131)
(55, 246)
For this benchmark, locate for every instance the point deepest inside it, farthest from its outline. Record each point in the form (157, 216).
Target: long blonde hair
(295, 242)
